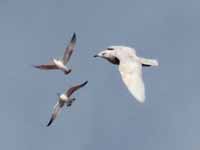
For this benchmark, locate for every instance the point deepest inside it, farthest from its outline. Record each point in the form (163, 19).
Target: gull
(64, 98)
(130, 68)
(56, 64)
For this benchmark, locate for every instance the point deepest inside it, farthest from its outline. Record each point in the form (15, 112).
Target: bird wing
(131, 73)
(71, 90)
(49, 66)
(56, 110)
(69, 49)
(46, 67)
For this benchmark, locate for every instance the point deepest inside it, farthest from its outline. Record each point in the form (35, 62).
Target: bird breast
(63, 97)
(59, 63)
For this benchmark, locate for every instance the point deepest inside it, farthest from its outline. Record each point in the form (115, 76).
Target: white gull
(130, 68)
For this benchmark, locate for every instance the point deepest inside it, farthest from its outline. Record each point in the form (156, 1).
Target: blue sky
(105, 115)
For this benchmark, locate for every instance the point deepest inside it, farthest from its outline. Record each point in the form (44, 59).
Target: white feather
(151, 62)
(131, 73)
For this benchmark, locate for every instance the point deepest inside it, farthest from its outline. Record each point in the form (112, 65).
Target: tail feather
(149, 62)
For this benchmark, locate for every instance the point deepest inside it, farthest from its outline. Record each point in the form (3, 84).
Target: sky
(105, 115)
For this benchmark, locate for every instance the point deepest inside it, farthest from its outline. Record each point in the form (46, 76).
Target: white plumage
(132, 77)
(130, 68)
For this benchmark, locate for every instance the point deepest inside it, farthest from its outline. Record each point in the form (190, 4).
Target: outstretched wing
(132, 77)
(48, 66)
(69, 49)
(74, 88)
(56, 111)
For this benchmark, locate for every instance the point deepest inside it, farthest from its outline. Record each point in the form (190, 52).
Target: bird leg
(69, 103)
(67, 71)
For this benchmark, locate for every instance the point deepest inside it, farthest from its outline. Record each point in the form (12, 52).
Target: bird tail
(149, 62)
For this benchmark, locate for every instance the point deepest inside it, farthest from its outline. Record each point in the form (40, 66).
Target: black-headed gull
(64, 98)
(60, 63)
(130, 68)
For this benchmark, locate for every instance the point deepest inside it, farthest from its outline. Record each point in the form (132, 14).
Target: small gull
(56, 64)
(130, 68)
(64, 98)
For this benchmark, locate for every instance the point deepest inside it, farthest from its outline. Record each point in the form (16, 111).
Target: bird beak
(101, 54)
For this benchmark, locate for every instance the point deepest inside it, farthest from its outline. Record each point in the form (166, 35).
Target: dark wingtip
(85, 83)
(50, 122)
(95, 55)
(35, 66)
(73, 40)
(74, 34)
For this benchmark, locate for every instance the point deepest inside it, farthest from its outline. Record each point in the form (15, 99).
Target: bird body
(60, 65)
(63, 97)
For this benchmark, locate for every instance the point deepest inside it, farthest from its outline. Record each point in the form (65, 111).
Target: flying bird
(130, 68)
(60, 64)
(64, 99)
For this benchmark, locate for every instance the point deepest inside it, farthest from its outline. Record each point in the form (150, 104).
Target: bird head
(115, 54)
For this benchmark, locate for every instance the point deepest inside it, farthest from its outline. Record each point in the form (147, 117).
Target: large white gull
(130, 68)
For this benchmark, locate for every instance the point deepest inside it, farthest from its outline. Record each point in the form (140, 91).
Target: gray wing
(49, 66)
(46, 67)
(56, 110)
(69, 49)
(74, 88)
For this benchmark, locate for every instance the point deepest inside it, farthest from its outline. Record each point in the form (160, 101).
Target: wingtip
(141, 101)
(35, 66)
(50, 122)
(85, 82)
(73, 40)
(140, 98)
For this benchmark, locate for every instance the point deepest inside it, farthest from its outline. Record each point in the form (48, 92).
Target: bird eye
(110, 49)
